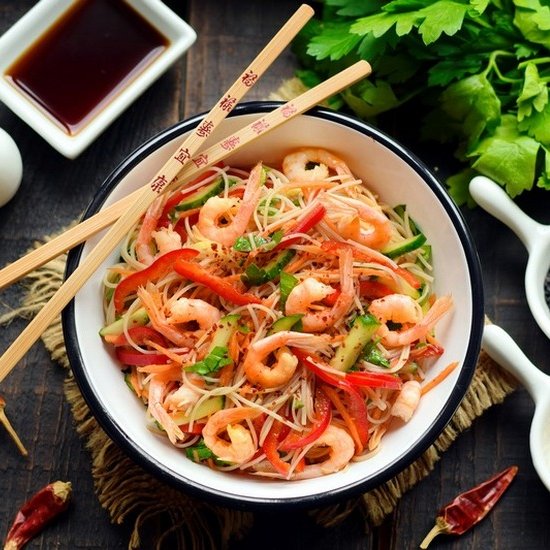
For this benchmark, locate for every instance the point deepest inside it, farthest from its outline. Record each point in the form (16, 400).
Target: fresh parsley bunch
(482, 67)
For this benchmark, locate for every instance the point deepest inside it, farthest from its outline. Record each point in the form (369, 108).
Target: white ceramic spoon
(501, 347)
(534, 235)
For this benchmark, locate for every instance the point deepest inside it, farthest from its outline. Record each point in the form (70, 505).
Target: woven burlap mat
(131, 495)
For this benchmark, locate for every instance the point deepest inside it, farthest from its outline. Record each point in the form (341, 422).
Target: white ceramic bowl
(38, 21)
(398, 177)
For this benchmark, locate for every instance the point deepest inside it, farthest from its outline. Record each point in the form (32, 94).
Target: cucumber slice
(201, 195)
(404, 247)
(405, 288)
(137, 318)
(255, 276)
(226, 327)
(206, 408)
(290, 322)
(359, 335)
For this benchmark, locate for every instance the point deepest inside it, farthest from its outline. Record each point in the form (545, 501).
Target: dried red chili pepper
(9, 428)
(38, 511)
(470, 507)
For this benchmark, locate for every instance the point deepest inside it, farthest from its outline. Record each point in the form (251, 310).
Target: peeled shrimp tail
(156, 409)
(407, 401)
(394, 338)
(151, 218)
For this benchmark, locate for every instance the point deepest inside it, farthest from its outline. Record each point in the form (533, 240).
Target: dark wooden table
(55, 191)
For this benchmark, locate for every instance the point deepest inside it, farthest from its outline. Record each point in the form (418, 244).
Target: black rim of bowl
(194, 487)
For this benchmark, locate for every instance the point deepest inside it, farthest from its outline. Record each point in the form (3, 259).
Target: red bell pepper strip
(358, 408)
(324, 414)
(427, 350)
(374, 380)
(220, 286)
(270, 445)
(133, 357)
(312, 218)
(374, 289)
(128, 355)
(160, 267)
(196, 429)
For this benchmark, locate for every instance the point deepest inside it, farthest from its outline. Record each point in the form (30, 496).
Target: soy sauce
(78, 65)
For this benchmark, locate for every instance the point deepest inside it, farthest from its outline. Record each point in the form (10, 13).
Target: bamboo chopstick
(143, 197)
(266, 123)
(161, 182)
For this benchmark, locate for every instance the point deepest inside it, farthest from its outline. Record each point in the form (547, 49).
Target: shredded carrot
(170, 354)
(341, 408)
(297, 263)
(110, 338)
(188, 213)
(439, 378)
(376, 414)
(134, 380)
(163, 373)
(157, 369)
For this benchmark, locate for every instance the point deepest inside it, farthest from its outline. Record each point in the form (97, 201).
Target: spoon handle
(492, 198)
(501, 347)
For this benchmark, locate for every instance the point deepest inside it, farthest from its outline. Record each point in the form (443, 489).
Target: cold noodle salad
(275, 321)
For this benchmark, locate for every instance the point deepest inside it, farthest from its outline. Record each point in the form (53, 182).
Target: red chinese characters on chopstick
(38, 511)
(470, 507)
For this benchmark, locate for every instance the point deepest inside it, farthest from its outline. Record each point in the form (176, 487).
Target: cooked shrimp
(157, 389)
(353, 219)
(398, 308)
(144, 249)
(255, 367)
(218, 208)
(407, 400)
(296, 166)
(185, 396)
(166, 240)
(185, 310)
(240, 447)
(341, 450)
(396, 338)
(305, 294)
(152, 302)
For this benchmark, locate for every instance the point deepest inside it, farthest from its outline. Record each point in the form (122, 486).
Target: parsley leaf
(534, 93)
(538, 125)
(199, 452)
(334, 42)
(474, 103)
(508, 156)
(544, 178)
(213, 362)
(480, 67)
(257, 242)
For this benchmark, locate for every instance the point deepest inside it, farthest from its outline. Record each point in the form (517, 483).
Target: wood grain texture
(55, 191)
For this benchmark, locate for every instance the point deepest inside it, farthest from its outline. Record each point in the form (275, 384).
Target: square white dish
(37, 21)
